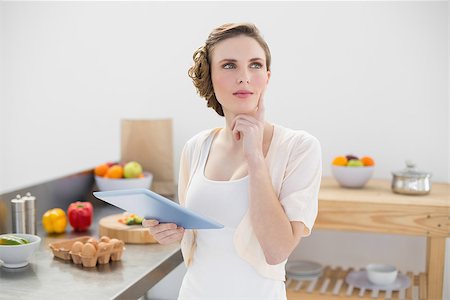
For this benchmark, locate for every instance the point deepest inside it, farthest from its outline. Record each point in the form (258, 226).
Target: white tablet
(151, 205)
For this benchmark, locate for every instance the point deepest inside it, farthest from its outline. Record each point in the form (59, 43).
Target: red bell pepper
(80, 215)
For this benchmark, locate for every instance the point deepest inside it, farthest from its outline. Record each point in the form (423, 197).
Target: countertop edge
(147, 281)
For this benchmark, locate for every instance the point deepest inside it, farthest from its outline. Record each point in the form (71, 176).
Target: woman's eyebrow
(256, 58)
(235, 60)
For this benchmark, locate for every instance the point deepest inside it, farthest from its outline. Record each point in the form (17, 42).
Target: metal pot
(410, 181)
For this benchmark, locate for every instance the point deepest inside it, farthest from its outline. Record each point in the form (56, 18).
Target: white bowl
(380, 274)
(352, 177)
(16, 256)
(109, 184)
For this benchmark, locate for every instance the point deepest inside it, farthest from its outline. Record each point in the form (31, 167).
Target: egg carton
(88, 251)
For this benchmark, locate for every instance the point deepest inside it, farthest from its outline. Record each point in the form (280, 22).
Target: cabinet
(376, 209)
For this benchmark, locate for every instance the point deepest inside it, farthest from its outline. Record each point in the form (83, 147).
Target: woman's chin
(243, 109)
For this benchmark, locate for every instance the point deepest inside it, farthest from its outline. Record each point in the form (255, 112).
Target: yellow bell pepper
(54, 220)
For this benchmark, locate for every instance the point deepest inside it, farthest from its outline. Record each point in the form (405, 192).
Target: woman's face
(239, 74)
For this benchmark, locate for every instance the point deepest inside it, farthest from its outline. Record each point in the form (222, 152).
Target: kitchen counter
(47, 277)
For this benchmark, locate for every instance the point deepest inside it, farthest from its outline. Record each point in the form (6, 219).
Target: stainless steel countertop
(47, 277)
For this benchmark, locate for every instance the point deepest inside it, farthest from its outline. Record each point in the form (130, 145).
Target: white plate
(303, 267)
(359, 279)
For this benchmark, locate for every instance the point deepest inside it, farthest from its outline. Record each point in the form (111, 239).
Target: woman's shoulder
(198, 139)
(201, 136)
(295, 138)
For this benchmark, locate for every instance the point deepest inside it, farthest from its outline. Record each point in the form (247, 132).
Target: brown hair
(200, 72)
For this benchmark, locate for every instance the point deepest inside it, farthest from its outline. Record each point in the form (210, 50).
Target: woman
(258, 179)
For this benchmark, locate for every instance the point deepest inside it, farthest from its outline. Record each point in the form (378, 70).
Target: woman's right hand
(164, 233)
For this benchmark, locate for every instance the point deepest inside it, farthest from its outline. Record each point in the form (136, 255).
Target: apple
(111, 163)
(132, 170)
(355, 163)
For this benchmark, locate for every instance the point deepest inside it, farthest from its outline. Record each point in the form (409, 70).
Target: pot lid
(411, 171)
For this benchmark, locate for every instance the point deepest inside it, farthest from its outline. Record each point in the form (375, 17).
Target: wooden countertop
(379, 191)
(376, 209)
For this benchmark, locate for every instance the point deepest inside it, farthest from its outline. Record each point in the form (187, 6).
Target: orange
(101, 170)
(340, 161)
(368, 161)
(115, 171)
(141, 176)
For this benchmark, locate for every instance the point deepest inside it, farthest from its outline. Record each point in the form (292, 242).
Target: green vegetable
(133, 220)
(12, 240)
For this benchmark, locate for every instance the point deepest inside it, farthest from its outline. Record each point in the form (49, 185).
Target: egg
(102, 246)
(117, 244)
(93, 242)
(113, 241)
(76, 247)
(104, 239)
(88, 250)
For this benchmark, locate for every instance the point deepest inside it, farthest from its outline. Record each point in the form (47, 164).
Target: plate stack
(303, 270)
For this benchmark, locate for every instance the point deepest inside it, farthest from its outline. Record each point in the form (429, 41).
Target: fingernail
(150, 222)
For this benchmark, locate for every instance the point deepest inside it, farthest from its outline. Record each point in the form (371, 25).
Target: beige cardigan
(295, 166)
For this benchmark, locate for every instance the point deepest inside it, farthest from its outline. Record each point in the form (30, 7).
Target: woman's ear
(268, 77)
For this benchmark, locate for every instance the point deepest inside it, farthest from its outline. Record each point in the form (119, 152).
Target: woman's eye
(228, 66)
(256, 65)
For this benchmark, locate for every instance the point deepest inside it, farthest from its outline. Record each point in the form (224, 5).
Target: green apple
(355, 163)
(132, 170)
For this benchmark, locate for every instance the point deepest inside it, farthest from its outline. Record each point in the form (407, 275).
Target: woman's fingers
(241, 122)
(173, 237)
(164, 233)
(244, 126)
(170, 235)
(162, 227)
(256, 118)
(149, 223)
(261, 108)
(156, 227)
(236, 134)
(249, 118)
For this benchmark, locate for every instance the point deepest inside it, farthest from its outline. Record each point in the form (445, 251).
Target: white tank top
(217, 271)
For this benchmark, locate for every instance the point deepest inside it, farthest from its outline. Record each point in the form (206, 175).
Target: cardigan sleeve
(183, 176)
(301, 183)
(188, 240)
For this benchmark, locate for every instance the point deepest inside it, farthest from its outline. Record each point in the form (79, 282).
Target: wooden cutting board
(132, 234)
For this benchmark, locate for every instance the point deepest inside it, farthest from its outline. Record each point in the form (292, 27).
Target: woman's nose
(242, 81)
(243, 77)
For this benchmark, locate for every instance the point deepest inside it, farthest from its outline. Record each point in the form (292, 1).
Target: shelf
(331, 286)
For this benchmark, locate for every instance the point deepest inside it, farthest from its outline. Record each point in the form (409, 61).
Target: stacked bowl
(303, 270)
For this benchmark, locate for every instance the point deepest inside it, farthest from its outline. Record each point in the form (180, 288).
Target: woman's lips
(243, 94)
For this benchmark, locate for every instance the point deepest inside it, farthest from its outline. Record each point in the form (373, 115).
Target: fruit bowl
(109, 184)
(352, 177)
(351, 171)
(16, 256)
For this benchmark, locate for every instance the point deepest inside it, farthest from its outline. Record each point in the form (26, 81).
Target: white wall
(2, 99)
(366, 78)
